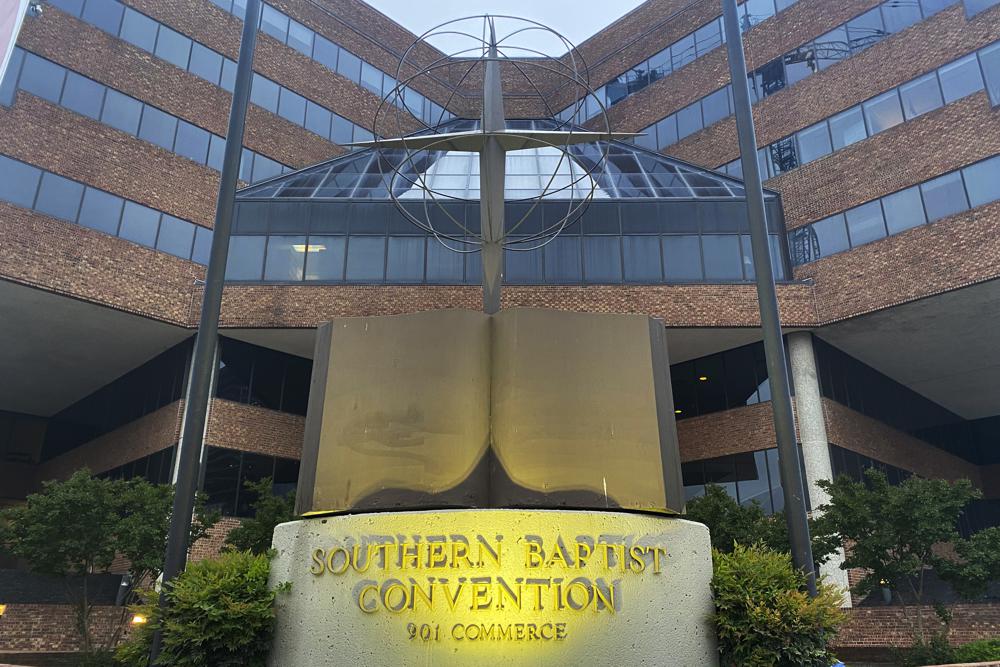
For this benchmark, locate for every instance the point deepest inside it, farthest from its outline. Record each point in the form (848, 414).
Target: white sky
(575, 19)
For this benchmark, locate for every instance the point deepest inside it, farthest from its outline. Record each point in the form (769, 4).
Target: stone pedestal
(493, 587)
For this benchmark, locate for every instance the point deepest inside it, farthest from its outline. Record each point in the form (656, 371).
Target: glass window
(563, 263)
(708, 37)
(944, 196)
(831, 235)
(405, 263)
(982, 181)
(769, 78)
(865, 30)
(682, 257)
(920, 95)
(264, 93)
(292, 106)
(723, 260)
(59, 197)
(689, 120)
(883, 112)
(865, 224)
(300, 38)
(903, 210)
(139, 224)
(349, 65)
(666, 131)
(121, 112)
(325, 52)
(202, 245)
(799, 65)
(205, 63)
(814, 142)
(228, 78)
(42, 78)
(642, 259)
(847, 128)
(960, 78)
(285, 257)
(216, 151)
(222, 479)
(973, 7)
(264, 167)
(83, 95)
(366, 258)
(755, 11)
(602, 260)
(371, 78)
(445, 266)
(105, 15)
(139, 29)
(317, 119)
(100, 211)
(192, 142)
(176, 236)
(173, 47)
(715, 107)
(158, 127)
(931, 7)
(990, 58)
(19, 182)
(783, 155)
(900, 15)
(523, 267)
(341, 130)
(274, 23)
(246, 258)
(832, 47)
(682, 51)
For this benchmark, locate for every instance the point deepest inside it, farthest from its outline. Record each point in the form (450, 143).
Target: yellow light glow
(677, 412)
(312, 247)
(139, 619)
(3, 608)
(703, 378)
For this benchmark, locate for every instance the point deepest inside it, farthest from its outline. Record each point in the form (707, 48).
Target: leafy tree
(763, 616)
(77, 527)
(254, 534)
(892, 530)
(977, 564)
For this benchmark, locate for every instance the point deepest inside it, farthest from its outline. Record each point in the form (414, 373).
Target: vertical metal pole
(777, 370)
(202, 362)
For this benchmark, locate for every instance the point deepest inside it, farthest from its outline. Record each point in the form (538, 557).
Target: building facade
(878, 126)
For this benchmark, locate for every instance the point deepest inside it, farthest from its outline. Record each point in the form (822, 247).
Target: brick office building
(878, 124)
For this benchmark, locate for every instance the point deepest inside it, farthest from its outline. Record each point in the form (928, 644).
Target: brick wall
(876, 627)
(51, 627)
(210, 545)
(254, 429)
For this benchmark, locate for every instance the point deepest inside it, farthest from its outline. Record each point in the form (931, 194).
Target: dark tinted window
(101, 211)
(682, 258)
(121, 112)
(59, 197)
(105, 15)
(139, 30)
(176, 236)
(722, 257)
(246, 258)
(264, 93)
(192, 142)
(19, 182)
(961, 78)
(983, 181)
(366, 258)
(944, 196)
(202, 245)
(205, 63)
(292, 106)
(158, 127)
(865, 224)
(139, 224)
(602, 261)
(41, 77)
(405, 261)
(83, 95)
(173, 47)
(903, 210)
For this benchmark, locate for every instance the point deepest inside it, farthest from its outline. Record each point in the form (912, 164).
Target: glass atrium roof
(628, 172)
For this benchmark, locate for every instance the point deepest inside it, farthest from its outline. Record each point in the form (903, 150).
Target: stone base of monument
(493, 587)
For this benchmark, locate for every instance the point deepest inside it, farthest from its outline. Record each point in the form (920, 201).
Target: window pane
(83, 95)
(797, 68)
(864, 223)
(983, 181)
(753, 12)
(325, 52)
(602, 259)
(371, 78)
(814, 142)
(292, 106)
(205, 63)
(715, 107)
(405, 261)
(176, 236)
(192, 142)
(833, 47)
(202, 245)
(300, 38)
(523, 267)
(903, 210)
(960, 78)
(563, 263)
(317, 119)
(366, 258)
(59, 197)
(42, 77)
(708, 37)
(228, 78)
(865, 30)
(682, 51)
(682, 258)
(222, 471)
(899, 16)
(944, 196)
(173, 47)
(642, 258)
(139, 224)
(723, 260)
(689, 120)
(990, 58)
(445, 266)
(285, 257)
(19, 182)
(100, 211)
(216, 151)
(139, 30)
(246, 258)
(158, 127)
(121, 112)
(831, 235)
(848, 128)
(341, 130)
(349, 65)
(920, 96)
(105, 15)
(264, 93)
(883, 112)
(264, 167)
(274, 23)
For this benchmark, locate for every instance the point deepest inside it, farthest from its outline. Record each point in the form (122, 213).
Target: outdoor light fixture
(312, 247)
(139, 619)
(677, 412)
(3, 608)
(702, 378)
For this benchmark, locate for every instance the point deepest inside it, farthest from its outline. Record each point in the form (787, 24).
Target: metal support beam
(202, 362)
(777, 370)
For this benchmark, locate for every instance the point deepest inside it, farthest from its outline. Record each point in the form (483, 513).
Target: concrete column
(812, 435)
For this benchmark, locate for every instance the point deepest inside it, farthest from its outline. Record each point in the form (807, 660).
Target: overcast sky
(575, 19)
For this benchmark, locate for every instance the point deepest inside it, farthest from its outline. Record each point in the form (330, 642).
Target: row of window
(845, 462)
(64, 87)
(673, 57)
(748, 477)
(164, 42)
(720, 381)
(337, 59)
(72, 201)
(157, 468)
(905, 102)
(840, 43)
(226, 472)
(932, 200)
(263, 377)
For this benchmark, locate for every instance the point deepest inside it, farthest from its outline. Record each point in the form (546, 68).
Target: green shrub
(763, 616)
(983, 650)
(220, 613)
(255, 534)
